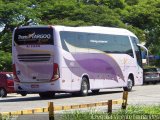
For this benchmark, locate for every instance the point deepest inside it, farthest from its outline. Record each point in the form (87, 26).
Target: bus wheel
(23, 94)
(47, 95)
(129, 85)
(155, 82)
(3, 92)
(84, 87)
(95, 91)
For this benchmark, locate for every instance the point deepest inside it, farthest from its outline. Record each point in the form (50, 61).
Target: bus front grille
(34, 57)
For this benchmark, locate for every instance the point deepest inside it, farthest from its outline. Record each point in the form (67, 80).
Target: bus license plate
(34, 86)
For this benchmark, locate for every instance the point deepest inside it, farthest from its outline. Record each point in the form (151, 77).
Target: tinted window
(110, 43)
(74, 39)
(9, 76)
(103, 42)
(24, 36)
(137, 50)
(158, 69)
(150, 70)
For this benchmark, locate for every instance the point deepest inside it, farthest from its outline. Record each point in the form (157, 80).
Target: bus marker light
(56, 73)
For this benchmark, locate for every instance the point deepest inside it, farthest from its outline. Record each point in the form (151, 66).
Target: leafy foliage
(139, 16)
(135, 112)
(5, 61)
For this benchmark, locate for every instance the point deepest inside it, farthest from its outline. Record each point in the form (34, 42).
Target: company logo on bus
(98, 41)
(34, 36)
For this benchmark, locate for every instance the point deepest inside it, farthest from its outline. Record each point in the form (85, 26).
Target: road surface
(147, 94)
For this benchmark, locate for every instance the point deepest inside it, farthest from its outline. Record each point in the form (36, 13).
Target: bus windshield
(41, 36)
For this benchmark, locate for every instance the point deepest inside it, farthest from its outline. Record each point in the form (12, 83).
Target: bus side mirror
(147, 58)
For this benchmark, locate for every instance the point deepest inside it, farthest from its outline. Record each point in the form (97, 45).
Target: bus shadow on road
(57, 96)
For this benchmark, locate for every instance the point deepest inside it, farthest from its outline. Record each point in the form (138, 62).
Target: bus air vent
(34, 57)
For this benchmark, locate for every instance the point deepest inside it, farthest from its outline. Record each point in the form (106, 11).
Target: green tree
(132, 2)
(145, 16)
(5, 64)
(13, 14)
(142, 17)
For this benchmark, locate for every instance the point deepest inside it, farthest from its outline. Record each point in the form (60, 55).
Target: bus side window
(130, 53)
(82, 42)
(137, 51)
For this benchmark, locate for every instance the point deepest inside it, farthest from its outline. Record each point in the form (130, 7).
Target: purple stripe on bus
(104, 65)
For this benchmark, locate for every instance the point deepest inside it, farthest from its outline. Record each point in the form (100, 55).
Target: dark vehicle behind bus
(151, 75)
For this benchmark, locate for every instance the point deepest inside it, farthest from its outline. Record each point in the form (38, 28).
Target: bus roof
(96, 29)
(89, 29)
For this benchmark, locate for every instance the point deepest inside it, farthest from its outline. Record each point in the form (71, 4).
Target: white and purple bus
(52, 59)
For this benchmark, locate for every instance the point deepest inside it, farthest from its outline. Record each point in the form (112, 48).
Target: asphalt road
(147, 94)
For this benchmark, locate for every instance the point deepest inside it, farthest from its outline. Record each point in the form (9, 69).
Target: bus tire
(3, 92)
(155, 82)
(95, 91)
(130, 84)
(47, 95)
(23, 94)
(84, 87)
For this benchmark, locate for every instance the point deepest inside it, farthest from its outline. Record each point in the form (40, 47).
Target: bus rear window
(25, 36)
